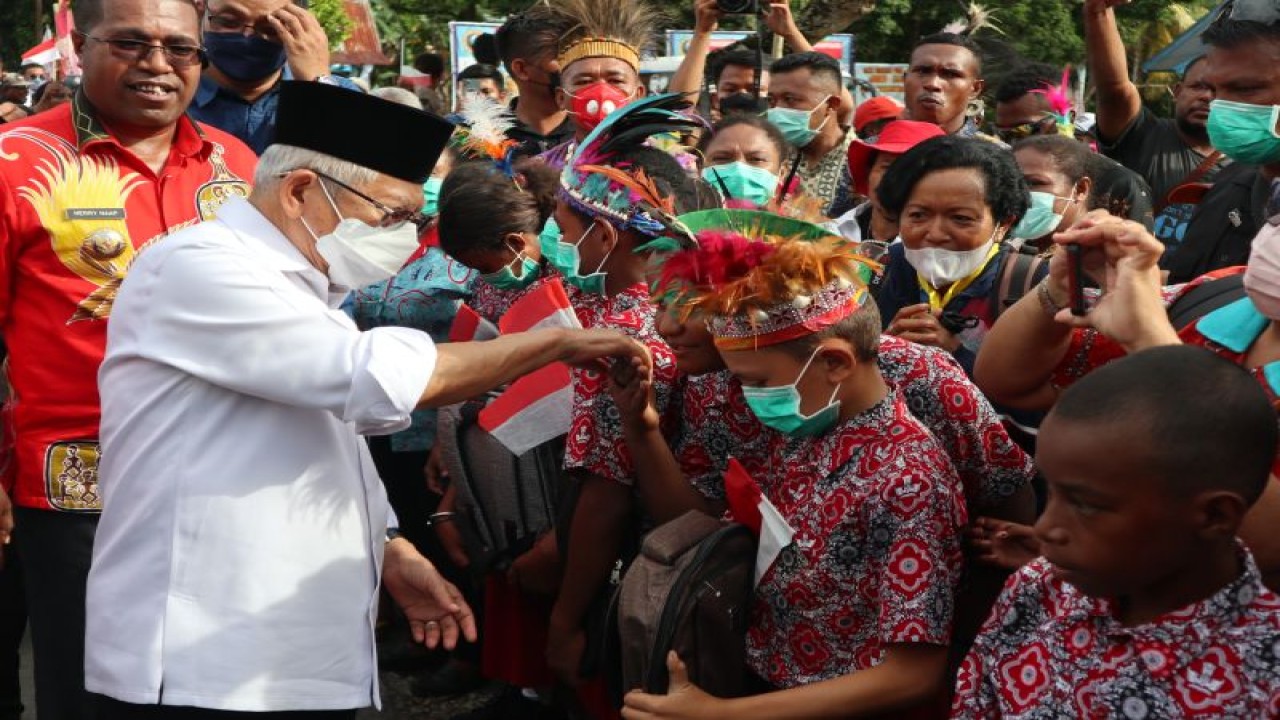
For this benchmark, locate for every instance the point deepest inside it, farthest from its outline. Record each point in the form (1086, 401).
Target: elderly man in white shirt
(244, 528)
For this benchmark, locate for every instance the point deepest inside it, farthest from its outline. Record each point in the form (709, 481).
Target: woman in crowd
(957, 200)
(742, 160)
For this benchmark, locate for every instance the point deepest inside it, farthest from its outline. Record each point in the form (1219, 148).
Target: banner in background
(840, 46)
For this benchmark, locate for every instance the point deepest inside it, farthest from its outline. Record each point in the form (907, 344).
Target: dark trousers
(56, 549)
(112, 709)
(13, 625)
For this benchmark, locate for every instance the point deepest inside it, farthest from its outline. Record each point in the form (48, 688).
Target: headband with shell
(621, 29)
(763, 279)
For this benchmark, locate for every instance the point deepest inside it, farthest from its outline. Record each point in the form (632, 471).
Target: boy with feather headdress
(616, 195)
(854, 615)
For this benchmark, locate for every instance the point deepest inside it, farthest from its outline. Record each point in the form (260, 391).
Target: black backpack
(689, 590)
(1204, 299)
(504, 502)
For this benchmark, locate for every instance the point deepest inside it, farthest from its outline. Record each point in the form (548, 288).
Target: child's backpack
(504, 502)
(690, 591)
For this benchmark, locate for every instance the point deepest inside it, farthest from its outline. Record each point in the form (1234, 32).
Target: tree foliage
(332, 16)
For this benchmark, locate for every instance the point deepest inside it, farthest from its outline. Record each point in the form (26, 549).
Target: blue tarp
(1184, 48)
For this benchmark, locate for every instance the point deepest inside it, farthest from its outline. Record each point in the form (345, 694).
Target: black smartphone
(1075, 278)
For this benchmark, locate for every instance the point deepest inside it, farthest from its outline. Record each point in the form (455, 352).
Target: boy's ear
(1219, 514)
(838, 360)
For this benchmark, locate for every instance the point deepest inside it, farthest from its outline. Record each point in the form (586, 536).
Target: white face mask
(941, 267)
(360, 254)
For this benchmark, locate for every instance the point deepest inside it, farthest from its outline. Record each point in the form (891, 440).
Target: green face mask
(506, 279)
(1245, 133)
(742, 182)
(779, 407)
(794, 124)
(431, 196)
(564, 257)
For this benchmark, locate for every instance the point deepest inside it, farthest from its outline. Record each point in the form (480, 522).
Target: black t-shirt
(532, 143)
(1151, 147)
(1221, 230)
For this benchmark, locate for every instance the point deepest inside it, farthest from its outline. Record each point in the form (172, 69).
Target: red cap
(897, 137)
(880, 107)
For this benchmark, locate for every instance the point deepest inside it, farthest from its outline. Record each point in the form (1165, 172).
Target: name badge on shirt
(94, 213)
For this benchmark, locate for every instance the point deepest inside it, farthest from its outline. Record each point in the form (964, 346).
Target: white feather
(487, 120)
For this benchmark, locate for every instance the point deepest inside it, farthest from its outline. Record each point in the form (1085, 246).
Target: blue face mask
(1245, 133)
(1040, 219)
(506, 279)
(794, 124)
(243, 57)
(742, 182)
(565, 258)
(431, 195)
(779, 407)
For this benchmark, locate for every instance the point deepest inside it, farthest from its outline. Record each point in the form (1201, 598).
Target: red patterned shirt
(595, 443)
(1049, 651)
(76, 207)
(715, 425)
(942, 397)
(877, 511)
(491, 303)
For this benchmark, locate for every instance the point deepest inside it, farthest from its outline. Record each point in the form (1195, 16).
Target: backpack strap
(1016, 279)
(1204, 299)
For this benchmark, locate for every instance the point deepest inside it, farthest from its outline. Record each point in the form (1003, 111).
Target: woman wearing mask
(957, 201)
(742, 160)
(1056, 171)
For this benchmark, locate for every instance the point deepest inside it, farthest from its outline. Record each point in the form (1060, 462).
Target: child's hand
(683, 701)
(632, 390)
(1003, 544)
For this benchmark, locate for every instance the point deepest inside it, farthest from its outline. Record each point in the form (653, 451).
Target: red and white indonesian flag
(46, 53)
(468, 326)
(537, 407)
(750, 507)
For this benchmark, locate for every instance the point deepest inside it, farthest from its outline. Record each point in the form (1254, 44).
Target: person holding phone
(252, 45)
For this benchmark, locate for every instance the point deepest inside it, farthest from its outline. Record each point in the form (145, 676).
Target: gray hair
(398, 95)
(278, 159)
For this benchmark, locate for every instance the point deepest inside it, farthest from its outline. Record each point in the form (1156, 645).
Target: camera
(738, 7)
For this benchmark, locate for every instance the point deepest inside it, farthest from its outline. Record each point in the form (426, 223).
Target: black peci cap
(378, 134)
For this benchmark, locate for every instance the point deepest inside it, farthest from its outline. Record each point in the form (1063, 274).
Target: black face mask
(742, 102)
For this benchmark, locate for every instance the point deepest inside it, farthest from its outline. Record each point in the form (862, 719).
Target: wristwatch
(329, 80)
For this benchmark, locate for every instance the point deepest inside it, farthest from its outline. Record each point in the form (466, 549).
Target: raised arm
(692, 70)
(465, 370)
(1118, 99)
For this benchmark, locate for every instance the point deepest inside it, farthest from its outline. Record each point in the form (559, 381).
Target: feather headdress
(623, 29)
(482, 132)
(763, 279)
(627, 197)
(1059, 99)
(977, 17)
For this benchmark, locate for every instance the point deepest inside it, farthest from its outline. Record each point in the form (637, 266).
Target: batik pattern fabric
(595, 443)
(828, 180)
(425, 296)
(714, 425)
(1050, 652)
(491, 303)
(877, 511)
(991, 466)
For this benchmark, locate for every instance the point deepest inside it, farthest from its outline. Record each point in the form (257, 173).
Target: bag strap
(1204, 299)
(1196, 175)
(1016, 279)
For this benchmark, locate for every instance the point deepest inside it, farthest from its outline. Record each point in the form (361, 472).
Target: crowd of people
(1000, 396)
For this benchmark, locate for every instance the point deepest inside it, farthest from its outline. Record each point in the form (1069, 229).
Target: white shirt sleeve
(223, 318)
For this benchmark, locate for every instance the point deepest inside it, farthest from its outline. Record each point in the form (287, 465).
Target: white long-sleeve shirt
(237, 561)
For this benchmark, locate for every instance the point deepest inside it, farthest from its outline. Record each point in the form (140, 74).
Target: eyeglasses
(1013, 133)
(391, 217)
(177, 54)
(1265, 12)
(229, 23)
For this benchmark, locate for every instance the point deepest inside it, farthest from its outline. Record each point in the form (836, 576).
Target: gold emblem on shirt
(71, 476)
(221, 188)
(80, 201)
